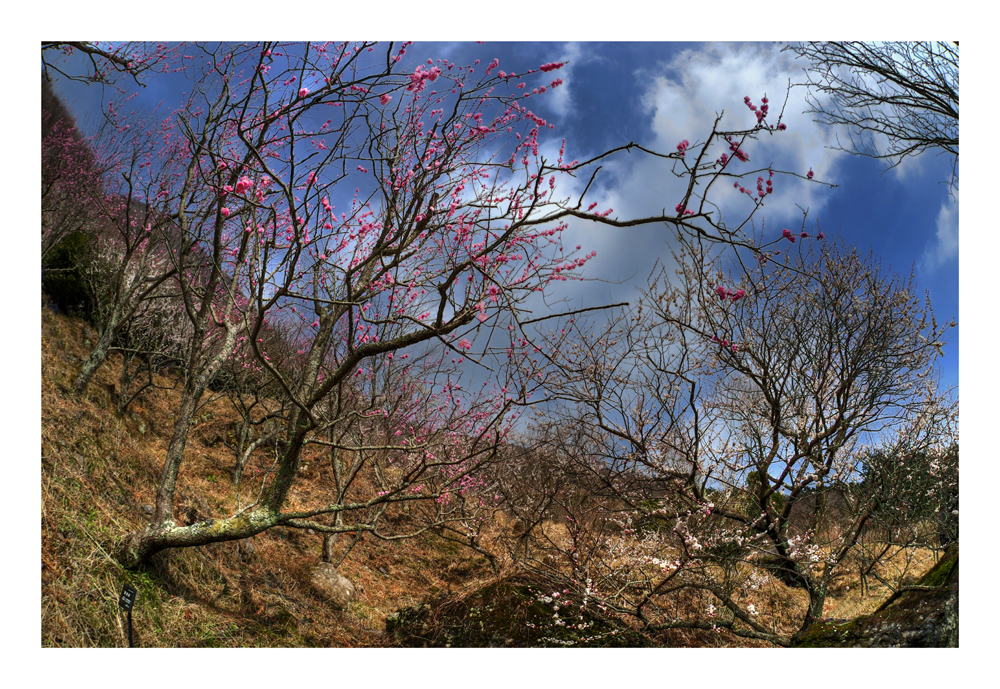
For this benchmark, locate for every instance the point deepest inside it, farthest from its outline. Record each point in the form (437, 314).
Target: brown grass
(100, 469)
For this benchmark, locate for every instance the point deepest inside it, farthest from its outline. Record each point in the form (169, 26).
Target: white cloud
(682, 99)
(561, 98)
(944, 247)
(696, 86)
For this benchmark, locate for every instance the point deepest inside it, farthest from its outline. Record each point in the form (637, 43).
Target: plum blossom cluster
(761, 112)
(726, 344)
(734, 148)
(420, 77)
(790, 236)
(733, 295)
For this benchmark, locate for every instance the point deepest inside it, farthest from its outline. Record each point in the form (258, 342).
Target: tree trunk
(814, 613)
(175, 455)
(139, 546)
(97, 357)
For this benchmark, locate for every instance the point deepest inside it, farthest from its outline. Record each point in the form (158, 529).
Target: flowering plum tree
(396, 219)
(130, 264)
(727, 408)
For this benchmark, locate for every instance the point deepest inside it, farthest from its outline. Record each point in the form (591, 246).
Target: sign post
(125, 602)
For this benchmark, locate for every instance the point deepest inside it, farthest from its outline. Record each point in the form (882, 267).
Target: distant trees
(896, 99)
(71, 177)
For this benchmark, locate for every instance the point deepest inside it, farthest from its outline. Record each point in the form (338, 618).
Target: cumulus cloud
(682, 99)
(944, 247)
(561, 100)
(700, 85)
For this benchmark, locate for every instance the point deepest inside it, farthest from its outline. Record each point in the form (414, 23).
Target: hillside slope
(99, 472)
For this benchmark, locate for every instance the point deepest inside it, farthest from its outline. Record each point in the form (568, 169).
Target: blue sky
(656, 94)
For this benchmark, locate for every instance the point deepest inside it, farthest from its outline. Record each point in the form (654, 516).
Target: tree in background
(896, 99)
(107, 61)
(135, 247)
(727, 418)
(71, 176)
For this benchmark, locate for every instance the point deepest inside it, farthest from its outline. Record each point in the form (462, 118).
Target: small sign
(127, 599)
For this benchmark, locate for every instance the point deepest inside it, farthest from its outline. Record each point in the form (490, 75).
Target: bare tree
(897, 99)
(731, 415)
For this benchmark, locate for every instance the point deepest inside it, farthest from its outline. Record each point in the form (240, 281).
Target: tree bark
(97, 357)
(139, 546)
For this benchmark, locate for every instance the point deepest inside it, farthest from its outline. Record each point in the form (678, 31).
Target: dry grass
(100, 469)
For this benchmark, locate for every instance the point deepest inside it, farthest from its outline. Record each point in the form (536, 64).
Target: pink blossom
(721, 292)
(737, 295)
(464, 344)
(243, 184)
(787, 234)
(809, 175)
(225, 212)
(781, 126)
(303, 92)
(385, 98)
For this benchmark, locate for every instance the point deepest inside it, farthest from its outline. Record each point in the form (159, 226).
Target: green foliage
(914, 487)
(62, 275)
(753, 507)
(520, 612)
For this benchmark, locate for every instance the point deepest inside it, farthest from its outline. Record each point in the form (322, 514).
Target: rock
(921, 616)
(335, 588)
